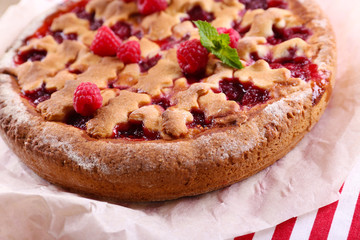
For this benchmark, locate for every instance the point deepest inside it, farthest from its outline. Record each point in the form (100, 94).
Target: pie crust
(239, 146)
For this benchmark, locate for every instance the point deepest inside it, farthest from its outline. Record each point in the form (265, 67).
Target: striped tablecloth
(339, 220)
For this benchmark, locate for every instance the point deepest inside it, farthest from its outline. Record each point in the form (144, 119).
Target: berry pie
(148, 100)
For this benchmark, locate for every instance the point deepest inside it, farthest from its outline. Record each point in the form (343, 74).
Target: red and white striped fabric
(339, 220)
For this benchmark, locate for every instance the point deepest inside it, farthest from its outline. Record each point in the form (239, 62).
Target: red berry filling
(303, 68)
(191, 79)
(284, 34)
(78, 121)
(134, 131)
(122, 30)
(246, 94)
(60, 36)
(32, 55)
(151, 6)
(241, 30)
(300, 67)
(197, 13)
(264, 4)
(192, 57)
(199, 120)
(80, 12)
(148, 63)
(129, 52)
(277, 4)
(163, 102)
(171, 42)
(254, 4)
(87, 99)
(255, 56)
(37, 96)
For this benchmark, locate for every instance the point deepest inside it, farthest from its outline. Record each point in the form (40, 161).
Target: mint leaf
(218, 44)
(229, 56)
(225, 39)
(207, 34)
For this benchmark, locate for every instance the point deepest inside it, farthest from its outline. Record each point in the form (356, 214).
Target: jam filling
(255, 57)
(171, 42)
(241, 30)
(264, 4)
(163, 102)
(303, 68)
(197, 13)
(60, 36)
(284, 34)
(122, 29)
(244, 93)
(191, 79)
(199, 120)
(37, 96)
(125, 30)
(78, 121)
(134, 131)
(300, 67)
(80, 12)
(32, 55)
(277, 4)
(148, 63)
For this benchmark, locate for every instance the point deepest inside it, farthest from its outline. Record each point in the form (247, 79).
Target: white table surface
(4, 4)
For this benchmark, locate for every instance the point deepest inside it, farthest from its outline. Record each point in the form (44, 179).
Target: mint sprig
(218, 44)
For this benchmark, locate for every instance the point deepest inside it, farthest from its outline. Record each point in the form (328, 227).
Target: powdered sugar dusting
(322, 23)
(67, 148)
(278, 110)
(13, 105)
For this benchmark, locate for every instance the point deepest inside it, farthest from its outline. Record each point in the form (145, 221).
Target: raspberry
(129, 52)
(105, 43)
(192, 57)
(233, 34)
(150, 6)
(87, 99)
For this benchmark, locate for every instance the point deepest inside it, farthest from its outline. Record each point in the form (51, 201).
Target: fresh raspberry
(150, 6)
(87, 99)
(192, 57)
(105, 43)
(233, 34)
(129, 52)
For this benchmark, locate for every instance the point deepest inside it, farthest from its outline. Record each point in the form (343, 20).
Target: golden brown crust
(160, 170)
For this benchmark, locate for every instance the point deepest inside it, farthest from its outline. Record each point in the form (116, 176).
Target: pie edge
(166, 172)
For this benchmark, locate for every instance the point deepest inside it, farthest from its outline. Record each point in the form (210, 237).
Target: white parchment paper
(309, 177)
